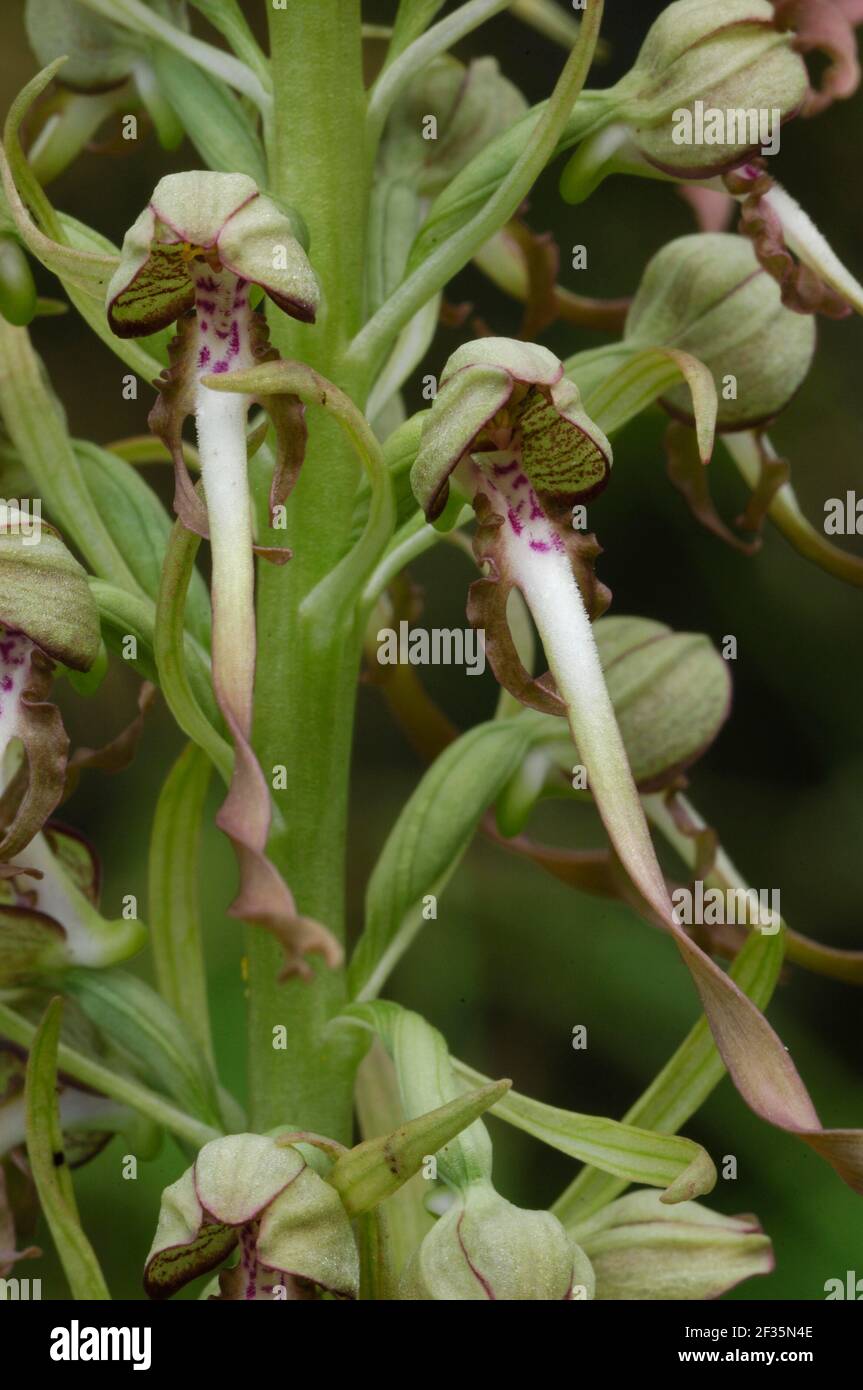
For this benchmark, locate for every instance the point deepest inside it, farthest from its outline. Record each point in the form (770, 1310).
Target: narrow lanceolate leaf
(124, 615)
(141, 527)
(89, 271)
(48, 1163)
(428, 841)
(175, 909)
(34, 420)
(213, 117)
(640, 377)
(149, 1032)
(681, 1166)
(374, 1170)
(170, 651)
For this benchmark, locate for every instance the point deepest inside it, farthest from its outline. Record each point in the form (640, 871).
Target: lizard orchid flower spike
(510, 431)
(194, 256)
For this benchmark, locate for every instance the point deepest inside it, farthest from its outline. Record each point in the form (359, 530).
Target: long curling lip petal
(263, 897)
(805, 240)
(759, 1064)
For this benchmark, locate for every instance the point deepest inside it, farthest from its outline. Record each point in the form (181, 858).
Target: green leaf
(170, 650)
(213, 117)
(227, 17)
(684, 1083)
(372, 1171)
(35, 423)
(125, 615)
(427, 842)
(174, 899)
(681, 1166)
(140, 526)
(148, 1032)
(620, 382)
(48, 1164)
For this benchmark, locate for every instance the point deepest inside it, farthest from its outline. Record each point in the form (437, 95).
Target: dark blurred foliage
(515, 960)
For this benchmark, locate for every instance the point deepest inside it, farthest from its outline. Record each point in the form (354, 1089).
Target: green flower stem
(786, 513)
(306, 678)
(120, 1088)
(399, 74)
(370, 345)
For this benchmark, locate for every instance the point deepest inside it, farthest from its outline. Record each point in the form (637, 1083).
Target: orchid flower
(194, 257)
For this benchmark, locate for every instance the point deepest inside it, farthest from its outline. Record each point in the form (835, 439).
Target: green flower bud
(100, 54)
(640, 1249)
(470, 106)
(252, 1191)
(671, 693)
(701, 58)
(707, 295)
(484, 1248)
(17, 286)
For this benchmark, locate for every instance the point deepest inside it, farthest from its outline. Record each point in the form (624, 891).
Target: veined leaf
(681, 1166)
(48, 1162)
(174, 898)
(427, 842)
(141, 527)
(684, 1083)
(213, 117)
(146, 1029)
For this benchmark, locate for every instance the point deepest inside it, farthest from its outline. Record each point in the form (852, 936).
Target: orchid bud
(640, 1248)
(671, 693)
(484, 1248)
(699, 59)
(469, 106)
(99, 54)
(17, 286)
(708, 296)
(256, 1194)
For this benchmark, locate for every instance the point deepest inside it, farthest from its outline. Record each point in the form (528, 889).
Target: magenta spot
(542, 547)
(220, 366)
(501, 469)
(515, 521)
(221, 335)
(203, 357)
(204, 326)
(520, 481)
(206, 282)
(6, 683)
(206, 306)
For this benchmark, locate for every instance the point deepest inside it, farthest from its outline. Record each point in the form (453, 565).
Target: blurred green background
(515, 960)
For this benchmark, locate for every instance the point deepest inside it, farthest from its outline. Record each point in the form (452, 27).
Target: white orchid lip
(222, 220)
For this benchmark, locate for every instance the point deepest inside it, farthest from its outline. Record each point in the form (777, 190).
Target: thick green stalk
(306, 681)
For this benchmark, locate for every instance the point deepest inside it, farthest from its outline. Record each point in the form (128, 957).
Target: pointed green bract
(372, 1171)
